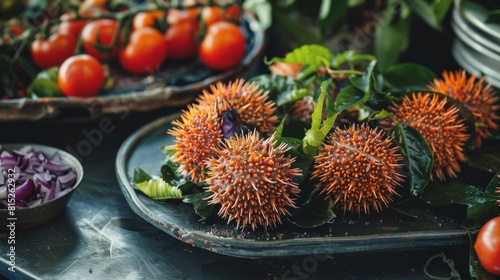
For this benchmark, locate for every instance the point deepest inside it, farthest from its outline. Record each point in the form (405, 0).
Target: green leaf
(279, 130)
(139, 176)
(407, 77)
(425, 11)
(480, 206)
(391, 39)
(407, 208)
(355, 3)
(300, 32)
(493, 17)
(494, 186)
(200, 204)
(418, 155)
(315, 212)
(27, 67)
(283, 90)
(348, 97)
(158, 189)
(313, 55)
(363, 82)
(487, 159)
(350, 56)
(441, 8)
(302, 161)
(45, 84)
(319, 129)
(466, 114)
(168, 172)
(287, 97)
(330, 13)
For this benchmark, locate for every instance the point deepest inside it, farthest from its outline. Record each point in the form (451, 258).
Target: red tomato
(487, 246)
(12, 29)
(81, 76)
(147, 19)
(213, 14)
(181, 38)
(53, 51)
(89, 7)
(145, 51)
(100, 33)
(69, 26)
(223, 46)
(232, 13)
(175, 15)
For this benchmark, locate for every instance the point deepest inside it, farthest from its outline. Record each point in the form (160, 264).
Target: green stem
(349, 72)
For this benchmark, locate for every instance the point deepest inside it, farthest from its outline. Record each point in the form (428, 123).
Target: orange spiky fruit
(197, 134)
(250, 103)
(358, 168)
(252, 179)
(302, 109)
(476, 95)
(440, 126)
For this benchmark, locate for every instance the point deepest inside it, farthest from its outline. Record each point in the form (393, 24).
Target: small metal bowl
(46, 211)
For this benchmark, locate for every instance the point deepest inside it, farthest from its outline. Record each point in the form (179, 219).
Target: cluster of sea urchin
(250, 103)
(474, 94)
(358, 168)
(197, 135)
(440, 125)
(252, 179)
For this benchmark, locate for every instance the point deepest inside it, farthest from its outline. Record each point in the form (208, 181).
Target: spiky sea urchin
(197, 134)
(440, 125)
(358, 168)
(252, 179)
(251, 104)
(476, 95)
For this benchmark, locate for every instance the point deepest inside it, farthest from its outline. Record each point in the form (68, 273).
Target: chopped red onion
(38, 177)
(25, 190)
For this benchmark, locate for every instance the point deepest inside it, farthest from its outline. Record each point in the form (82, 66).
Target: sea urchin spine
(477, 96)
(358, 169)
(440, 125)
(250, 103)
(197, 135)
(252, 179)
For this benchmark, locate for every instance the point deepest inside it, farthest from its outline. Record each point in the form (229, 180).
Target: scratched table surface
(98, 236)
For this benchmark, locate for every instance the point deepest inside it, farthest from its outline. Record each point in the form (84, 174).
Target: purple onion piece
(42, 183)
(8, 161)
(24, 176)
(56, 166)
(67, 180)
(25, 190)
(40, 156)
(24, 162)
(39, 177)
(35, 167)
(51, 194)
